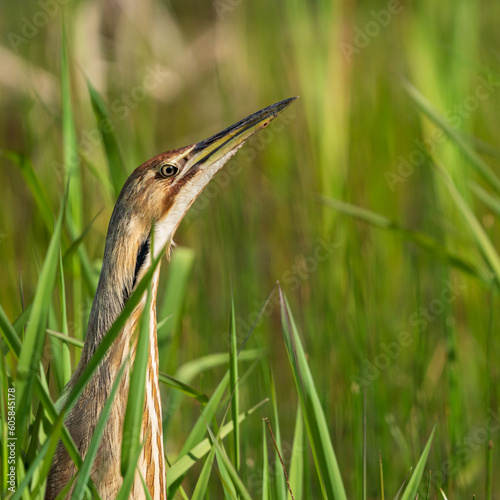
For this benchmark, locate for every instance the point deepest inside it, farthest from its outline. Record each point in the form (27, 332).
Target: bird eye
(168, 170)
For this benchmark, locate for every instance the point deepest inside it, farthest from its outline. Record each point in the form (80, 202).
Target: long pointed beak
(229, 140)
(204, 159)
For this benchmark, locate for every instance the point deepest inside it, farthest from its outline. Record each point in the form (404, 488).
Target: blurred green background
(414, 329)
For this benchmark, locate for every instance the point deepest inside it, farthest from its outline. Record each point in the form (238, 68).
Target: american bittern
(157, 194)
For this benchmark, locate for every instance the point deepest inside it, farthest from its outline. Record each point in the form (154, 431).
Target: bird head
(161, 190)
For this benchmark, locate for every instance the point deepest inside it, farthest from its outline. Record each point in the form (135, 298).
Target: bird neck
(151, 463)
(120, 274)
(127, 255)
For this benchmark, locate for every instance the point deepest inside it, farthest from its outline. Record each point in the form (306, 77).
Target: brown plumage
(158, 193)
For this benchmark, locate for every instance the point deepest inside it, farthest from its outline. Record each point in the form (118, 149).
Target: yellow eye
(168, 170)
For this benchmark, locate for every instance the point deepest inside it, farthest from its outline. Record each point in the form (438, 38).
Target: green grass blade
(147, 494)
(128, 480)
(279, 479)
(490, 201)
(422, 240)
(65, 338)
(297, 462)
(266, 489)
(43, 461)
(34, 432)
(429, 485)
(70, 144)
(182, 387)
(32, 347)
(37, 190)
(50, 410)
(23, 485)
(224, 474)
(51, 443)
(233, 482)
(489, 471)
(116, 165)
(233, 385)
(192, 369)
(65, 491)
(4, 399)
(364, 445)
(202, 483)
(412, 489)
(90, 275)
(199, 429)
(76, 243)
(225, 477)
(482, 240)
(399, 438)
(95, 442)
(20, 322)
(175, 295)
(314, 417)
(188, 371)
(101, 176)
(9, 334)
(381, 468)
(184, 463)
(73, 177)
(277, 487)
(402, 487)
(477, 162)
(64, 361)
(137, 388)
